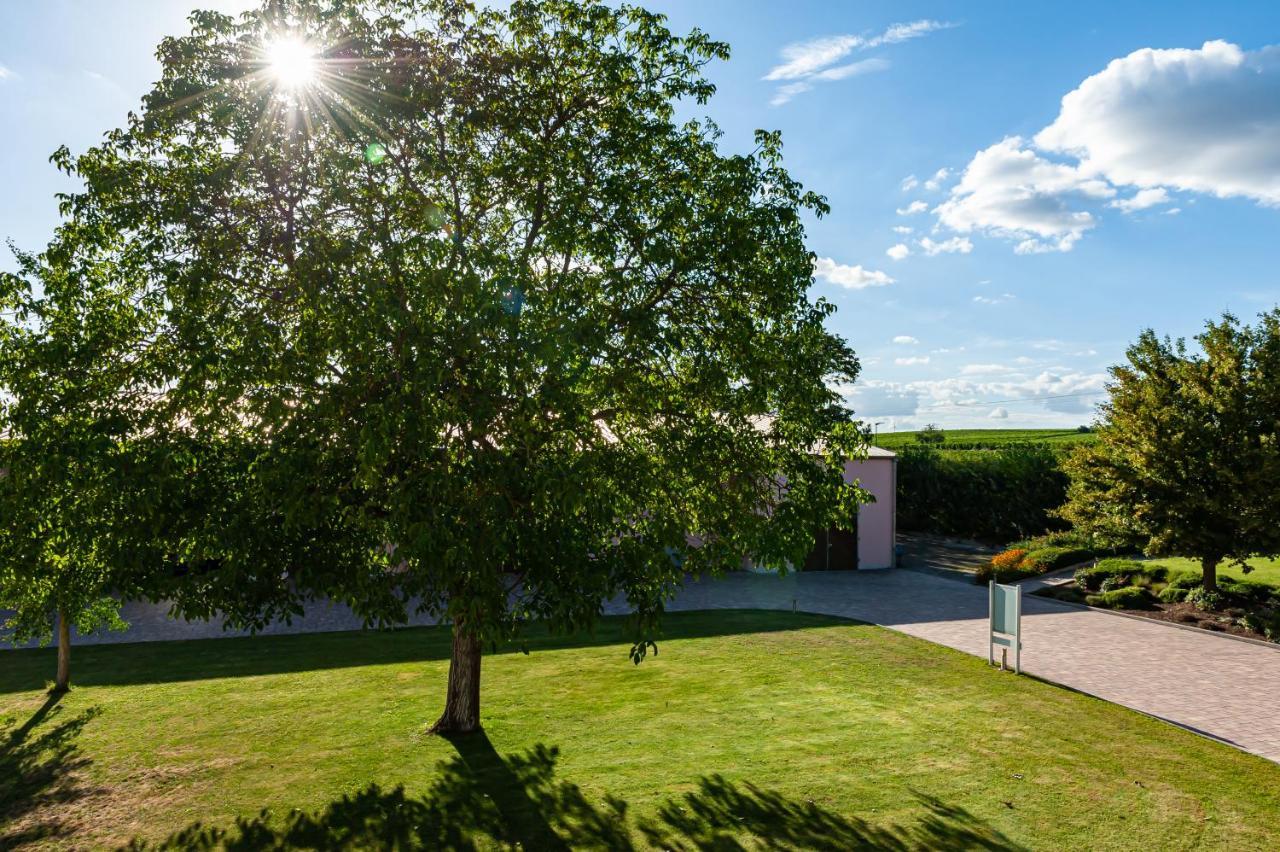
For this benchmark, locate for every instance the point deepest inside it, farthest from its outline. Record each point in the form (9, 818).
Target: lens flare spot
(375, 153)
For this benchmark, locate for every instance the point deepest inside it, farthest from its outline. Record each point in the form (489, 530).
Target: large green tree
(1188, 452)
(484, 317)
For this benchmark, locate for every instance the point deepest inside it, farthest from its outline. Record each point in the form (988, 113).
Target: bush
(1053, 558)
(1173, 594)
(995, 495)
(1246, 591)
(1267, 624)
(1092, 577)
(1115, 581)
(1130, 597)
(1205, 600)
(988, 571)
(1010, 558)
(1184, 580)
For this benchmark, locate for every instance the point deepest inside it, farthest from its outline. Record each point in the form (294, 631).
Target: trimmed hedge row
(993, 495)
(1015, 564)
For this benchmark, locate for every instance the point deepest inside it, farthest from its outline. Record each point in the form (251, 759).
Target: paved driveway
(1224, 688)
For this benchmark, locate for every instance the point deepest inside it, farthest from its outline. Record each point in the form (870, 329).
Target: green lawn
(798, 731)
(1264, 570)
(992, 437)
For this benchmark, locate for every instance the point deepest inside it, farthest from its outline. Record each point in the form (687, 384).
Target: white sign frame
(1004, 639)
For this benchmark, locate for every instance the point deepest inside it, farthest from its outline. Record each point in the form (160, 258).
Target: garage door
(833, 550)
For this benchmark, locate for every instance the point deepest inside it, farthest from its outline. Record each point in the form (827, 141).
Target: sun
(291, 62)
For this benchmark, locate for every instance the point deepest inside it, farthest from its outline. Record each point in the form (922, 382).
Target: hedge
(993, 495)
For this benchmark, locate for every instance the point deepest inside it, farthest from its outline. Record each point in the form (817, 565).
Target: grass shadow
(482, 800)
(203, 659)
(38, 773)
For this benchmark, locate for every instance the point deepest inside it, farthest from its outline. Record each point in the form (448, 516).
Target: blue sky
(1149, 197)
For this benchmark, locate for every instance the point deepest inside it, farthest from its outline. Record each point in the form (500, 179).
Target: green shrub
(1053, 558)
(1246, 591)
(1205, 600)
(1130, 597)
(995, 495)
(988, 571)
(1092, 577)
(1185, 580)
(1115, 581)
(1173, 594)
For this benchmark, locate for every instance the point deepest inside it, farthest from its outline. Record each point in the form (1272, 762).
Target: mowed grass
(768, 729)
(1265, 571)
(993, 437)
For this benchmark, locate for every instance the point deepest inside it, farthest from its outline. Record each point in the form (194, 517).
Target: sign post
(1006, 624)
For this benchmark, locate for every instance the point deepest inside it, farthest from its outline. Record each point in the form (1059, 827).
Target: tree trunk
(462, 703)
(1209, 574)
(63, 682)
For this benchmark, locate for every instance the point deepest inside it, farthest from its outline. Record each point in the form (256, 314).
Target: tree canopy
(1188, 451)
(453, 314)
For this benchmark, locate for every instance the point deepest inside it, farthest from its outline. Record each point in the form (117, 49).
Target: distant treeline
(997, 494)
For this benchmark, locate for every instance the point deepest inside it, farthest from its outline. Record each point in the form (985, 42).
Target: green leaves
(499, 364)
(1188, 456)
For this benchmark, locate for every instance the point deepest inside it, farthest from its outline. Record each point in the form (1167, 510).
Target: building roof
(880, 453)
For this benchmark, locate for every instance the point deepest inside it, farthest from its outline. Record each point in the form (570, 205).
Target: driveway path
(1223, 688)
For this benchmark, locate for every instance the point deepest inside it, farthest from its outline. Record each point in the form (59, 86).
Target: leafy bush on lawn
(1173, 594)
(1246, 591)
(1053, 558)
(1130, 597)
(1108, 573)
(1205, 600)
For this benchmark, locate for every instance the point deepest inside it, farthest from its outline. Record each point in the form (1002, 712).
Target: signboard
(1006, 624)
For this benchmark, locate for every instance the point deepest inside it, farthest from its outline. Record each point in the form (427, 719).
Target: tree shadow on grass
(39, 761)
(253, 656)
(483, 800)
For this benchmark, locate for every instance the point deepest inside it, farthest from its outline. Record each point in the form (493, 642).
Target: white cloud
(852, 69)
(986, 370)
(994, 300)
(1173, 211)
(999, 413)
(909, 183)
(902, 229)
(911, 360)
(789, 91)
(808, 57)
(850, 277)
(955, 245)
(6, 74)
(898, 252)
(1141, 200)
(905, 339)
(1010, 191)
(913, 208)
(1200, 120)
(883, 399)
(816, 59)
(934, 183)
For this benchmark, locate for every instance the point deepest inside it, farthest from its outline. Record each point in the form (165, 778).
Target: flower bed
(1151, 590)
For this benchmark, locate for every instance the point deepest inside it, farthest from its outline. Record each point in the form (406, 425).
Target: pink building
(871, 544)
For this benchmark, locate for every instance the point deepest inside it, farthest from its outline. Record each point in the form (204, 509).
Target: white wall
(876, 521)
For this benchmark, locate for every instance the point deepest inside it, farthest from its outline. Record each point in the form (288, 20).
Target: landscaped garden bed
(1239, 606)
(1039, 555)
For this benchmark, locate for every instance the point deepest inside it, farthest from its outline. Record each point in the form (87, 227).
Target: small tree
(1188, 451)
(67, 388)
(931, 435)
(480, 313)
